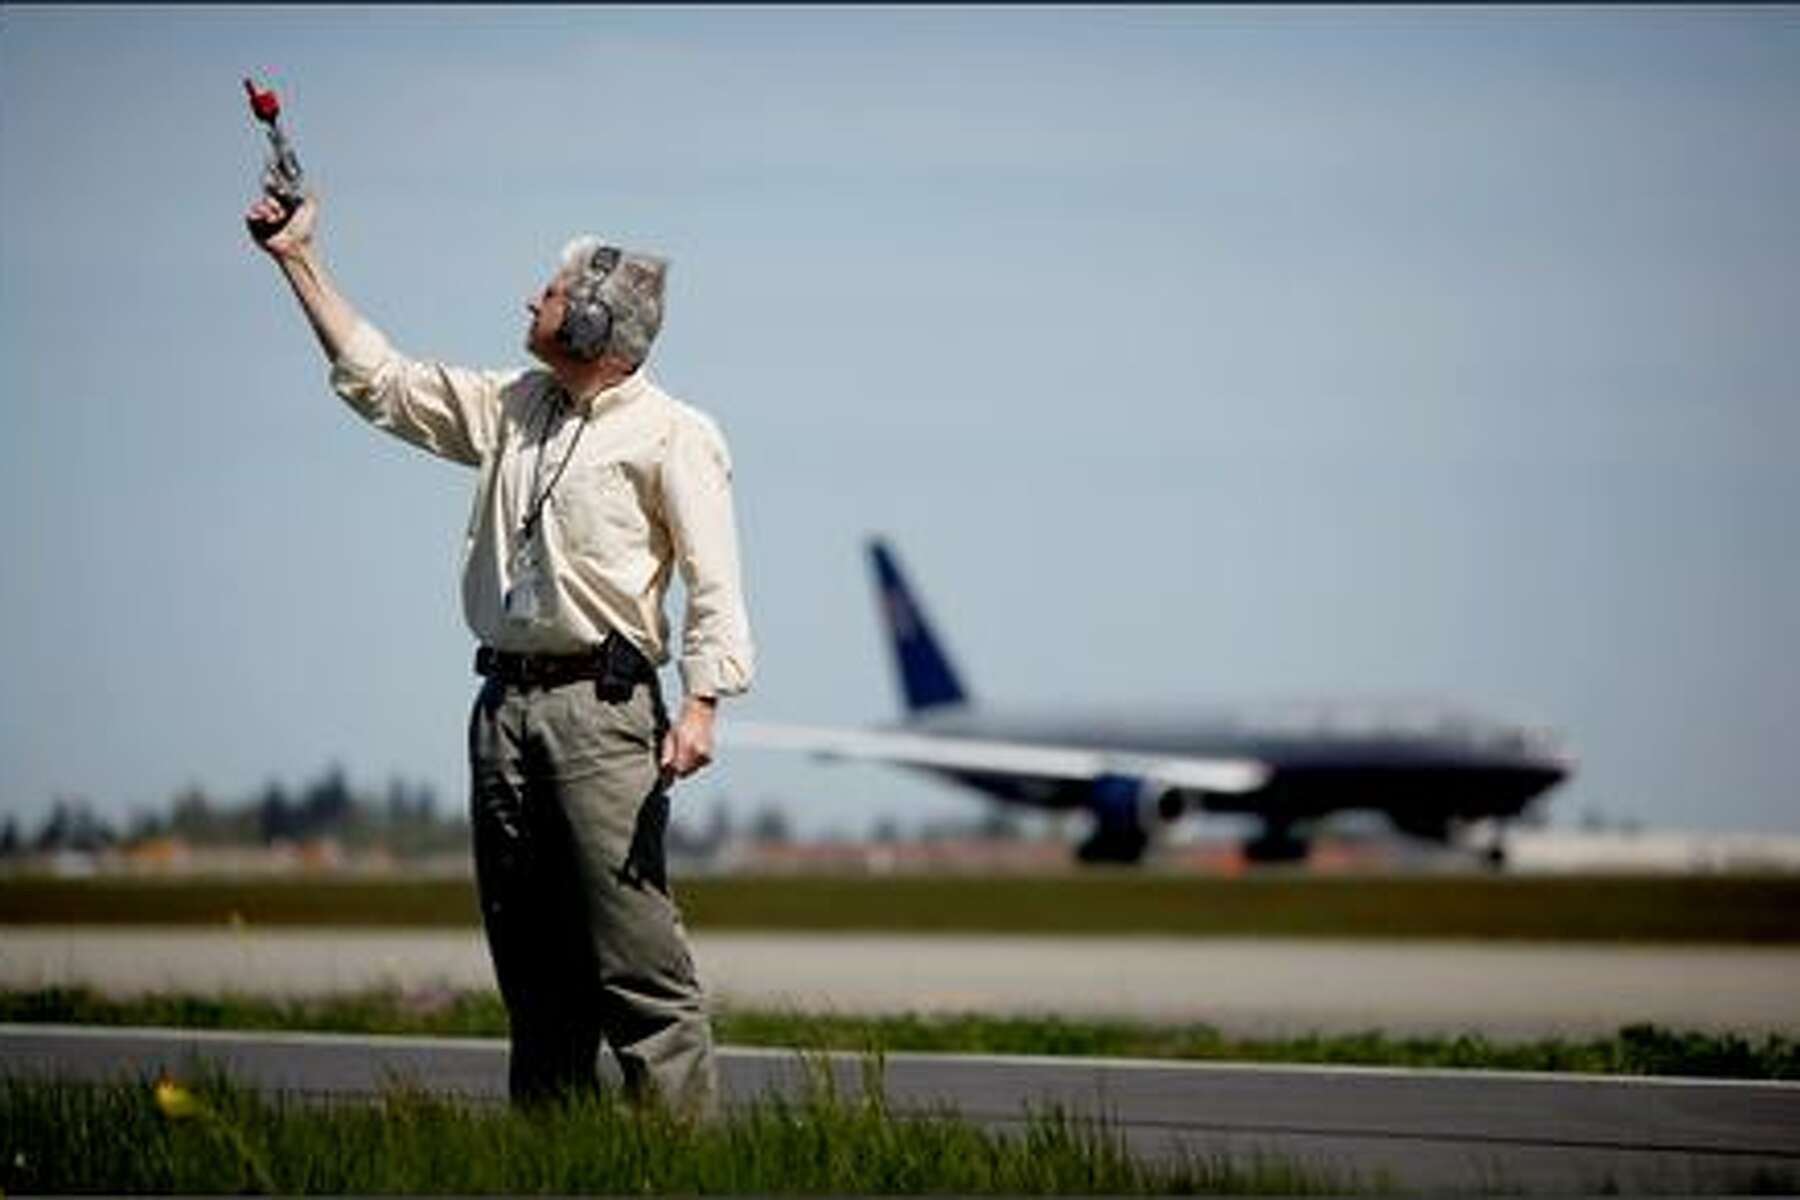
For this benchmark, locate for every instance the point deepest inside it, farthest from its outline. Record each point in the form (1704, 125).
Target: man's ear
(646, 276)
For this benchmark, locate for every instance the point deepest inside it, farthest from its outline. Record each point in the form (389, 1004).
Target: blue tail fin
(926, 677)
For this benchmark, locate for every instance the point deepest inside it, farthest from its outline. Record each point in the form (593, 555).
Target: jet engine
(1127, 811)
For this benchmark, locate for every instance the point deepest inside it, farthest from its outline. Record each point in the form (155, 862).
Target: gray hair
(632, 288)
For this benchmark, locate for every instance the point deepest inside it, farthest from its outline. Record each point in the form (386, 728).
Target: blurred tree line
(403, 820)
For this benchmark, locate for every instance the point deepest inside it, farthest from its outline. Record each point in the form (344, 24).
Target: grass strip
(1761, 910)
(1634, 1050)
(211, 1136)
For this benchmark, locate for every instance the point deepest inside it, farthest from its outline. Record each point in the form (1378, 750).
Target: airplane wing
(1039, 759)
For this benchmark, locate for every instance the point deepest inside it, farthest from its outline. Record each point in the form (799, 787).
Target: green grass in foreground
(1634, 1050)
(1669, 908)
(214, 1137)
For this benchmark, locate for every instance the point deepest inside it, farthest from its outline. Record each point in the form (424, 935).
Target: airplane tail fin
(927, 680)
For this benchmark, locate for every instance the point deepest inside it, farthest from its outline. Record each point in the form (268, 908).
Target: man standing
(594, 486)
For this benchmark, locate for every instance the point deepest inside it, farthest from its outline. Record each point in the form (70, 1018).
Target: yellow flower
(176, 1102)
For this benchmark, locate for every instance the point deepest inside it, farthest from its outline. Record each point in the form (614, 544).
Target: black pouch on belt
(622, 668)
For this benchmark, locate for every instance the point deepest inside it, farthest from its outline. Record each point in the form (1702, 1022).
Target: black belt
(614, 661)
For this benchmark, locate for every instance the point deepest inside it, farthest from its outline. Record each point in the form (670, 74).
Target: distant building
(1658, 850)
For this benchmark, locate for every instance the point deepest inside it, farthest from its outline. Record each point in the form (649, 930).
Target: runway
(1433, 1130)
(1245, 987)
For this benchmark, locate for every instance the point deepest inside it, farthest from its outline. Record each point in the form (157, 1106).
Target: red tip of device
(262, 103)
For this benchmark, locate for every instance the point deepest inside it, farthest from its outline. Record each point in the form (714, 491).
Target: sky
(1184, 354)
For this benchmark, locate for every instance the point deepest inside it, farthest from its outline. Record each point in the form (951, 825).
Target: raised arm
(296, 253)
(451, 412)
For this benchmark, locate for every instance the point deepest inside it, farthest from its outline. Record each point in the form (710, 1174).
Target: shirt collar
(622, 392)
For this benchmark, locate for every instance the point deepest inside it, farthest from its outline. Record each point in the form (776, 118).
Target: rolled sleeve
(452, 412)
(717, 658)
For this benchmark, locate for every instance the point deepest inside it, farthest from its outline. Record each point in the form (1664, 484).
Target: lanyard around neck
(534, 511)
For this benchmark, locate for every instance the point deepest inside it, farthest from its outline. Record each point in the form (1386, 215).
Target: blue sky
(1185, 354)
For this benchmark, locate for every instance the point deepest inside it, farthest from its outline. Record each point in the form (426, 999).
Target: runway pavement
(1244, 986)
(1432, 1130)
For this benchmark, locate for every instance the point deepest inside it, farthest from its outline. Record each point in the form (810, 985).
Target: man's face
(546, 318)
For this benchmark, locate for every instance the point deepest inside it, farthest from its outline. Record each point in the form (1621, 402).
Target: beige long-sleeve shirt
(646, 491)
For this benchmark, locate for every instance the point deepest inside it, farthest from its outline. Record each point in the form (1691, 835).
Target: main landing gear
(1277, 843)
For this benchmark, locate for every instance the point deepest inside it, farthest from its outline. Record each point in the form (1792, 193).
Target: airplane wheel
(1115, 849)
(1276, 847)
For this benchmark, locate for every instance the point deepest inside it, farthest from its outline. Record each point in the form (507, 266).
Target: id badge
(527, 599)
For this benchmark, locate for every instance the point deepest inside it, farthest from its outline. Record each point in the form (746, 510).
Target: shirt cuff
(711, 677)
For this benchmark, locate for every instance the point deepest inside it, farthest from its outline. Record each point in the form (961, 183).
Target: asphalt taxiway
(1430, 1130)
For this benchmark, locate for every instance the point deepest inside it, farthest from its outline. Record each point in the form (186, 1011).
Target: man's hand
(295, 238)
(688, 745)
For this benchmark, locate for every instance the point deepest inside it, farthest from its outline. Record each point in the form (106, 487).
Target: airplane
(1432, 769)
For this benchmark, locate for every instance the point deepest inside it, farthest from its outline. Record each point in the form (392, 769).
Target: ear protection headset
(587, 319)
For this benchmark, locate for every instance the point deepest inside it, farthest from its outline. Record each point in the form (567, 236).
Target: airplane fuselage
(1424, 767)
(1428, 766)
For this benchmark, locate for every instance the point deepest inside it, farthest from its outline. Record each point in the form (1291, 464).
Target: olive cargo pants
(568, 816)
